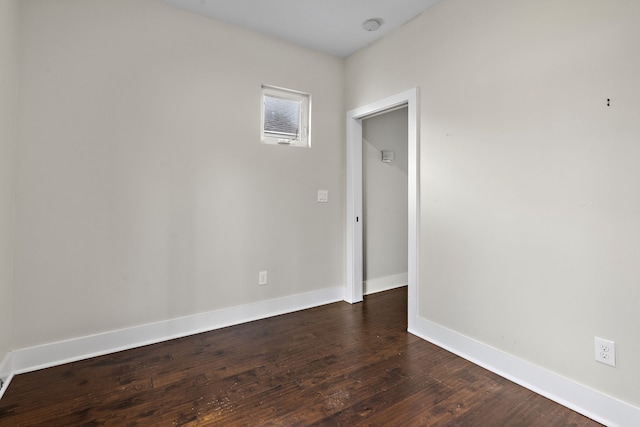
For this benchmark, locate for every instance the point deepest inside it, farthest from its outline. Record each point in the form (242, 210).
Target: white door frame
(354, 290)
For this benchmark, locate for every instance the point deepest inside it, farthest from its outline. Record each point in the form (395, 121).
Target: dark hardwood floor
(336, 365)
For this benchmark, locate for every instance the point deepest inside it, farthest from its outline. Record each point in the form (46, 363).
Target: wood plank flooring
(336, 365)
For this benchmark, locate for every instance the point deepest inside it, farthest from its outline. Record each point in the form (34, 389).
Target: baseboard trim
(584, 400)
(58, 353)
(6, 373)
(381, 284)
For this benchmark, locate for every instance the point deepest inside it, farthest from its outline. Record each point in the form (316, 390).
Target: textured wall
(8, 68)
(530, 188)
(145, 193)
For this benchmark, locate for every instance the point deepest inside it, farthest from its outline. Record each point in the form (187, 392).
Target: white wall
(8, 67)
(385, 201)
(530, 186)
(145, 193)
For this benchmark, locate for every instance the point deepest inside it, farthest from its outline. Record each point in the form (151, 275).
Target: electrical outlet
(262, 278)
(605, 351)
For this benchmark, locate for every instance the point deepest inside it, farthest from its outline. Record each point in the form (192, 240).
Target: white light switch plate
(323, 196)
(263, 278)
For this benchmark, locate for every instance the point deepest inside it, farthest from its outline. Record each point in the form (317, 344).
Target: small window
(286, 117)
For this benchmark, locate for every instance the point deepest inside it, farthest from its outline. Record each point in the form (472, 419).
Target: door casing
(354, 244)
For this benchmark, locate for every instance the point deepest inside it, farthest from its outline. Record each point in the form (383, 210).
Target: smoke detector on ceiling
(372, 24)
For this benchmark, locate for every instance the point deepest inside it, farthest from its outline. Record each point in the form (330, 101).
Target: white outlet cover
(263, 278)
(605, 351)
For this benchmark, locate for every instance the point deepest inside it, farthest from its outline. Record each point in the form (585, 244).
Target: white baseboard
(591, 403)
(381, 284)
(587, 401)
(58, 353)
(6, 373)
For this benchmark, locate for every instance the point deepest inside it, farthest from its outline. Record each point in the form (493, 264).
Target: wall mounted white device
(387, 156)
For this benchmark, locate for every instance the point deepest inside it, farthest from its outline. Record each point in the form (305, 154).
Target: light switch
(323, 196)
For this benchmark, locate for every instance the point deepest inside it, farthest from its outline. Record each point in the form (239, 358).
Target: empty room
(319, 212)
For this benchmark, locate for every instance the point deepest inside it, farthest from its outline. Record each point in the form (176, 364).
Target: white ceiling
(330, 26)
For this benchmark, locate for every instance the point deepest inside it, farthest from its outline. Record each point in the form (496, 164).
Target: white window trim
(304, 138)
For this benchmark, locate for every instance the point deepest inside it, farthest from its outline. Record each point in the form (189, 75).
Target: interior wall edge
(591, 403)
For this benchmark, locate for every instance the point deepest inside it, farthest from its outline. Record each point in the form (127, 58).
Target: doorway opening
(354, 291)
(384, 201)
